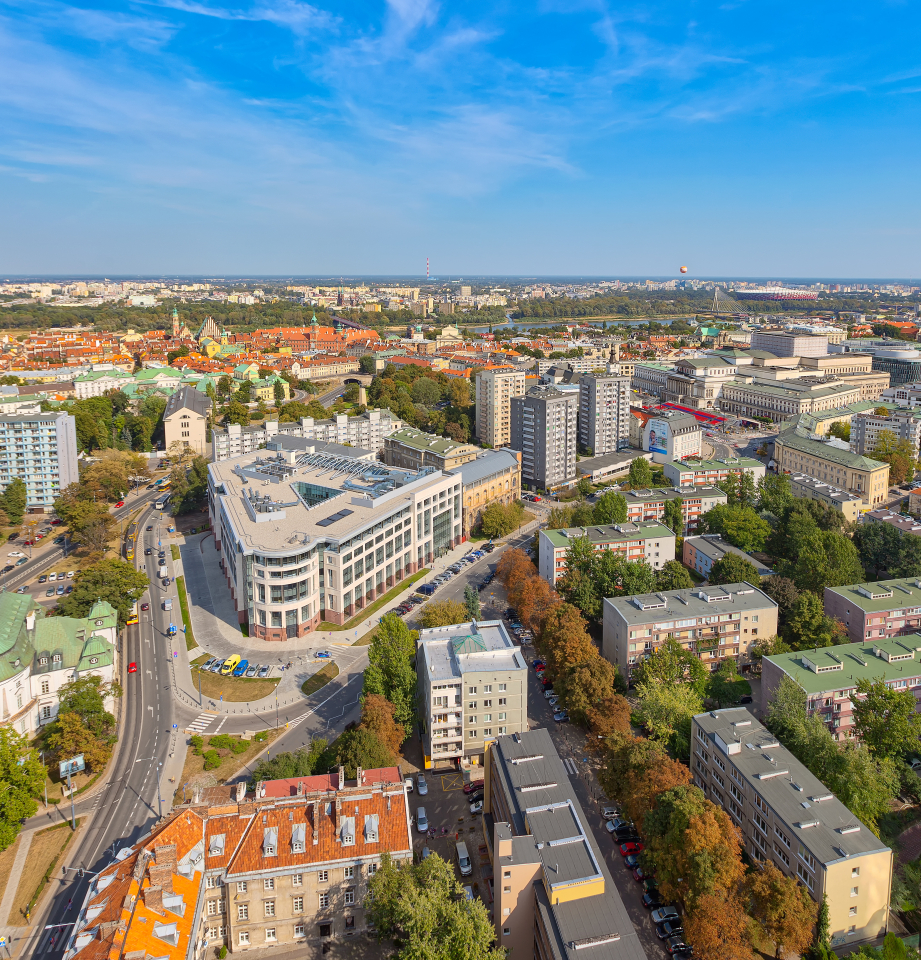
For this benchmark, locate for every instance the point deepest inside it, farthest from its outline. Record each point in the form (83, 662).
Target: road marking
(570, 766)
(221, 724)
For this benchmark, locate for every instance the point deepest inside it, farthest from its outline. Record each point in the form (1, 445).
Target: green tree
(640, 473)
(741, 526)
(731, 568)
(362, 748)
(667, 711)
(499, 519)
(584, 686)
(279, 393)
(442, 613)
(899, 454)
(113, 580)
(671, 664)
(725, 686)
(21, 780)
(879, 546)
(584, 487)
(426, 391)
(885, 719)
(825, 559)
(472, 602)
(422, 908)
(13, 500)
(774, 493)
(86, 696)
(244, 392)
(390, 671)
(611, 507)
(673, 576)
(237, 413)
(807, 626)
(284, 766)
(840, 430)
(673, 515)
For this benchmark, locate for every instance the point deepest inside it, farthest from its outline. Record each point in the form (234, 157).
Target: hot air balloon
(684, 269)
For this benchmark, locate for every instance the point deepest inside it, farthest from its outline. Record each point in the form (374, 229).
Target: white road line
(221, 724)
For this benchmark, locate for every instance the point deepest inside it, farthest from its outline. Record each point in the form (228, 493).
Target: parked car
(22, 589)
(561, 716)
(475, 797)
(476, 807)
(610, 813)
(632, 861)
(678, 948)
(548, 693)
(422, 821)
(52, 577)
(671, 928)
(132, 668)
(264, 671)
(640, 875)
(651, 901)
(240, 669)
(252, 670)
(423, 786)
(208, 664)
(553, 701)
(60, 590)
(218, 666)
(43, 579)
(631, 847)
(49, 592)
(473, 786)
(746, 698)
(21, 561)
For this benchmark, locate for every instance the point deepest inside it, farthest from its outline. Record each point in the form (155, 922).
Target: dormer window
(56, 658)
(270, 842)
(43, 661)
(94, 660)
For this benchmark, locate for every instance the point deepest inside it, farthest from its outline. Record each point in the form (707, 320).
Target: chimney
(341, 777)
(165, 855)
(360, 776)
(300, 788)
(316, 821)
(241, 791)
(161, 877)
(260, 789)
(336, 813)
(30, 623)
(153, 900)
(196, 795)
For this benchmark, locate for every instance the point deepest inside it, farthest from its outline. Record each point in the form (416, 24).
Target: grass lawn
(367, 638)
(230, 764)
(184, 607)
(6, 865)
(380, 602)
(45, 851)
(234, 689)
(174, 551)
(320, 679)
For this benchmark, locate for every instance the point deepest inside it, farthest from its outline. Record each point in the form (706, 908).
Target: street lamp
(159, 799)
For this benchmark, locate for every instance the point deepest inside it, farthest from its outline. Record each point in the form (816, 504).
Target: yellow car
(230, 665)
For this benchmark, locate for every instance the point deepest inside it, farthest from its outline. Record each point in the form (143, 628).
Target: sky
(564, 137)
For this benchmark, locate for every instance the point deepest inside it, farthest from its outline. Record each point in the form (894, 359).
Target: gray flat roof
(484, 646)
(487, 465)
(671, 493)
(817, 819)
(690, 602)
(712, 545)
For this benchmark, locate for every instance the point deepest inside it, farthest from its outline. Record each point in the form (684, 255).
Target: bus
(133, 616)
(162, 502)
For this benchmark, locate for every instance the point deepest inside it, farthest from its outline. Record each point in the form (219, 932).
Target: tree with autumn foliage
(782, 910)
(563, 640)
(608, 717)
(584, 685)
(719, 928)
(536, 599)
(377, 716)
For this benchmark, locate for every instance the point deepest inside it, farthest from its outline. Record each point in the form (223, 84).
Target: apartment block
(866, 428)
(850, 504)
(414, 450)
(670, 435)
(697, 472)
(650, 504)
(788, 817)
(544, 430)
(700, 553)
(887, 608)
(494, 392)
(554, 895)
(473, 688)
(41, 450)
(493, 477)
(715, 623)
(829, 675)
(287, 865)
(646, 540)
(367, 430)
(185, 419)
(604, 413)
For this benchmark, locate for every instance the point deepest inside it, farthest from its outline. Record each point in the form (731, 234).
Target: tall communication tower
(426, 268)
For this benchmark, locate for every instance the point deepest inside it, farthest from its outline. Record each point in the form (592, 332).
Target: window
(852, 912)
(803, 874)
(471, 689)
(487, 688)
(269, 883)
(244, 937)
(243, 911)
(372, 869)
(212, 908)
(503, 701)
(505, 931)
(855, 891)
(298, 904)
(296, 879)
(350, 896)
(349, 873)
(241, 887)
(269, 908)
(299, 930)
(855, 871)
(502, 688)
(323, 876)
(507, 875)
(487, 703)
(270, 933)
(46, 687)
(324, 900)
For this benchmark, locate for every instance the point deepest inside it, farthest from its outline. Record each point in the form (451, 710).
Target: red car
(640, 875)
(538, 499)
(132, 668)
(630, 847)
(120, 503)
(145, 606)
(473, 786)
(55, 522)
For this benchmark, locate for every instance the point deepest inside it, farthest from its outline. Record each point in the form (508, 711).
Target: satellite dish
(684, 269)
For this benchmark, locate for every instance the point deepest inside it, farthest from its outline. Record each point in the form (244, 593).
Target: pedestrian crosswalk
(201, 722)
(570, 766)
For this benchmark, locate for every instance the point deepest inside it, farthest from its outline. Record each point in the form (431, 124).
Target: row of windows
(297, 879)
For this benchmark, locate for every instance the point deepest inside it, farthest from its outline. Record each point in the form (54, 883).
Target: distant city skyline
(564, 140)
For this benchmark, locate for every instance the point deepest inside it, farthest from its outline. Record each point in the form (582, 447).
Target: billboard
(72, 766)
(657, 436)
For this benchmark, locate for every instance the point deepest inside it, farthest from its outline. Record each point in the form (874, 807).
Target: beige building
(493, 477)
(809, 488)
(494, 392)
(780, 401)
(414, 450)
(789, 818)
(795, 451)
(185, 419)
(715, 623)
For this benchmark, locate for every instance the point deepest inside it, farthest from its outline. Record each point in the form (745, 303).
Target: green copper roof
(473, 643)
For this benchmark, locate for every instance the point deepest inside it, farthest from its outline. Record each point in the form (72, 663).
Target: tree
(425, 391)
(667, 711)
(442, 613)
(237, 413)
(725, 686)
(69, 736)
(585, 685)
(563, 639)
(610, 508)
(673, 515)
(13, 500)
(841, 430)
(640, 473)
(422, 908)
(783, 592)
(609, 716)
(719, 929)
(584, 487)
(731, 568)
(472, 602)
(774, 493)
(362, 748)
(741, 526)
(885, 719)
(300, 763)
(807, 626)
(86, 696)
(824, 559)
(279, 393)
(21, 779)
(782, 909)
(459, 393)
(113, 580)
(673, 576)
(390, 672)
(377, 717)
(671, 664)
(499, 519)
(899, 454)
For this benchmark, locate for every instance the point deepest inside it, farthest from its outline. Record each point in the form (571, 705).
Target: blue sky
(743, 138)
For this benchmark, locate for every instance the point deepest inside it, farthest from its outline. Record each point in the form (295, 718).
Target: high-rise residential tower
(494, 392)
(604, 413)
(544, 430)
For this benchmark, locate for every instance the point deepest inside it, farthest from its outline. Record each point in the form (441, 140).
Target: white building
(672, 436)
(41, 450)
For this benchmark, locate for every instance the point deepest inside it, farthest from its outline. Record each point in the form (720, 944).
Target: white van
(463, 859)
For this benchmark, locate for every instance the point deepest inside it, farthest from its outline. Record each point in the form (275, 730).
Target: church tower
(175, 324)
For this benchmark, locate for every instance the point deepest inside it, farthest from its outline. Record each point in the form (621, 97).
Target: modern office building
(903, 424)
(367, 430)
(850, 504)
(185, 419)
(697, 472)
(287, 864)
(554, 896)
(650, 504)
(788, 817)
(646, 540)
(901, 360)
(604, 413)
(309, 536)
(797, 450)
(473, 688)
(828, 676)
(413, 449)
(715, 623)
(782, 343)
(41, 450)
(544, 429)
(670, 435)
(494, 392)
(700, 553)
(493, 477)
(886, 608)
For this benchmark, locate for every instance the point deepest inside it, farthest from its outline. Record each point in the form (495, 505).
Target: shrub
(212, 759)
(223, 741)
(238, 747)
(196, 743)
